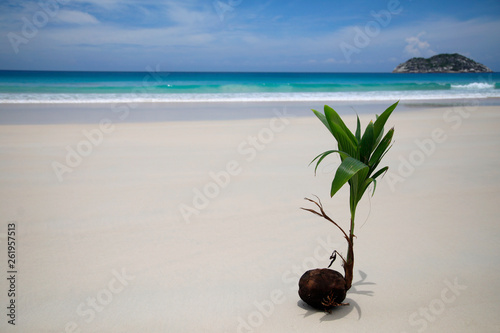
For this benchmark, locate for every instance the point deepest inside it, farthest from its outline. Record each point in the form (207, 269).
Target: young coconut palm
(360, 156)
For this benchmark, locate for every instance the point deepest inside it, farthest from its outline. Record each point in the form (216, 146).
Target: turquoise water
(99, 87)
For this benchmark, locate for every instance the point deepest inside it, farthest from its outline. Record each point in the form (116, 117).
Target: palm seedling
(360, 156)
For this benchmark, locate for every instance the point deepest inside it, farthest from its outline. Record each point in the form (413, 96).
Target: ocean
(167, 87)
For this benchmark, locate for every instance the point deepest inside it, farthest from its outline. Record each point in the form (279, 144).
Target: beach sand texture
(195, 226)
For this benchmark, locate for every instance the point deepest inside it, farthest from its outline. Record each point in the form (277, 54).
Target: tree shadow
(340, 312)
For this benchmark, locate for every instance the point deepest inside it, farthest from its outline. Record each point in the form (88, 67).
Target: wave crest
(474, 86)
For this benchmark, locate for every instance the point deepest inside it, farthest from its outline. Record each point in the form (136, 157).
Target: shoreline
(146, 112)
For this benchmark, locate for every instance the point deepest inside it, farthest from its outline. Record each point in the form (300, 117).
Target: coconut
(322, 288)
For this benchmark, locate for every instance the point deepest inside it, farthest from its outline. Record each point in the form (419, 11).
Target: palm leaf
(347, 169)
(367, 142)
(344, 143)
(360, 153)
(333, 118)
(376, 163)
(364, 187)
(381, 171)
(381, 148)
(367, 183)
(323, 119)
(358, 129)
(382, 119)
(325, 154)
(357, 183)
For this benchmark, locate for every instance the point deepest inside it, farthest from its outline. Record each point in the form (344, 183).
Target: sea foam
(457, 93)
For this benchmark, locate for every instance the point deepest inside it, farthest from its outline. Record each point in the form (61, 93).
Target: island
(442, 63)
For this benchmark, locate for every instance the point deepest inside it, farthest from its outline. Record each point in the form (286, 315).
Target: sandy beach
(195, 226)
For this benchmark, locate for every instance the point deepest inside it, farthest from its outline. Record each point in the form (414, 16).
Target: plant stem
(349, 264)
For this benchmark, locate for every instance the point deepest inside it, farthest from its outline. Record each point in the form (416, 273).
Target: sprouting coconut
(360, 157)
(322, 288)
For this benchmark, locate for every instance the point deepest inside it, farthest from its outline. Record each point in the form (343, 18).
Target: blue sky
(243, 35)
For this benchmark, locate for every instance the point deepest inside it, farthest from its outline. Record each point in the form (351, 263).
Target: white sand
(107, 249)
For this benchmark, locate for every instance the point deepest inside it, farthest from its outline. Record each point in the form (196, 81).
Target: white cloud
(185, 15)
(417, 47)
(76, 17)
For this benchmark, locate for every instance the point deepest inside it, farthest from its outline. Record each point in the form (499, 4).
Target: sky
(243, 35)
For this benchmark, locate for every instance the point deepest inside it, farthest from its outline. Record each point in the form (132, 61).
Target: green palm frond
(360, 153)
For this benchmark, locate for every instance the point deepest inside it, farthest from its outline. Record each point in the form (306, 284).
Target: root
(329, 302)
